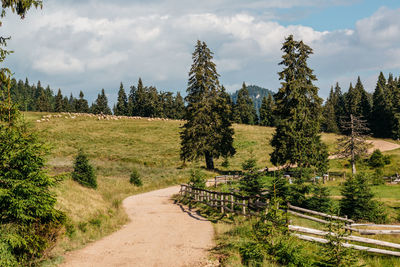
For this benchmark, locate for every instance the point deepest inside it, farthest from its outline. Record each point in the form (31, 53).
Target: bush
(252, 253)
(378, 160)
(358, 202)
(83, 172)
(135, 178)
(197, 179)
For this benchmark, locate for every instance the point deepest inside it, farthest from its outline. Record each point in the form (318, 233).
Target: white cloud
(96, 44)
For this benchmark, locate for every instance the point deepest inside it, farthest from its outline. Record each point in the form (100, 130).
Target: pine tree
(267, 112)
(380, 117)
(121, 109)
(59, 102)
(357, 201)
(139, 100)
(100, 106)
(179, 105)
(131, 101)
(298, 109)
(72, 103)
(329, 121)
(83, 172)
(81, 104)
(207, 131)
(244, 111)
(65, 105)
(43, 102)
(339, 103)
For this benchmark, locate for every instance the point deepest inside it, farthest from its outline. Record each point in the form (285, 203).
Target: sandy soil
(160, 234)
(382, 145)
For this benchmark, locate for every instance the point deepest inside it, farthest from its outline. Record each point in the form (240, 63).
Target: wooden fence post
(222, 203)
(232, 204)
(244, 207)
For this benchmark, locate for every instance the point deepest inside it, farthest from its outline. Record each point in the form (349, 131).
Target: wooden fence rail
(243, 205)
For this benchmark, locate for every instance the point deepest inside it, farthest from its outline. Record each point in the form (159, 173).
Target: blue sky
(90, 45)
(336, 16)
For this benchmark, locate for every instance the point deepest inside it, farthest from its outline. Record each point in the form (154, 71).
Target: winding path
(159, 234)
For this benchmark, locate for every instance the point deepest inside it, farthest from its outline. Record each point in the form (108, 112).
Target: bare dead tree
(354, 143)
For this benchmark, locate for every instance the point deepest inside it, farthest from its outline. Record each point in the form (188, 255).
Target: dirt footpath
(160, 234)
(382, 145)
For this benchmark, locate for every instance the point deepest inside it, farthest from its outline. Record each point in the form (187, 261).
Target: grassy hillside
(115, 148)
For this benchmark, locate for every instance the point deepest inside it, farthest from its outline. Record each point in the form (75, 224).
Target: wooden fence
(242, 205)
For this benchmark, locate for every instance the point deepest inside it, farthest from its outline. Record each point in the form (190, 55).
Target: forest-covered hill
(256, 94)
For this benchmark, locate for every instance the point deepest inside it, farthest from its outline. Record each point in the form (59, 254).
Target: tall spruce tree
(267, 111)
(43, 103)
(121, 109)
(139, 100)
(329, 121)
(380, 119)
(244, 111)
(81, 104)
(59, 102)
(101, 104)
(298, 108)
(207, 132)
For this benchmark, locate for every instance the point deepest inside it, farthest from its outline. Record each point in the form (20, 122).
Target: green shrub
(83, 172)
(135, 178)
(279, 188)
(197, 179)
(252, 253)
(378, 160)
(334, 253)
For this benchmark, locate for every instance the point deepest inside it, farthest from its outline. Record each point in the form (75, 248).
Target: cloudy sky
(88, 45)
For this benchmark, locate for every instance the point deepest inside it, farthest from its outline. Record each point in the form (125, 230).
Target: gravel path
(160, 234)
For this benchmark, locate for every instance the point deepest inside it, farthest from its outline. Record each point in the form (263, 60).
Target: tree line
(380, 110)
(145, 101)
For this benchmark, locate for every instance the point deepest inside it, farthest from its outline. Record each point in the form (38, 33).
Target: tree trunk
(353, 160)
(209, 161)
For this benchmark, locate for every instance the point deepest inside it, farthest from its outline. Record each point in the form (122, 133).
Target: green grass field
(152, 147)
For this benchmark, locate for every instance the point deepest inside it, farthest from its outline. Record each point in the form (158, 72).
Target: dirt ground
(160, 234)
(382, 145)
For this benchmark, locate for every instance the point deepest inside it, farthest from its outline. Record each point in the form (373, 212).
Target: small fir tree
(83, 172)
(197, 179)
(333, 253)
(135, 178)
(358, 202)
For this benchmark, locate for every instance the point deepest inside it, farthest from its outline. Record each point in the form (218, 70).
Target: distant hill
(256, 93)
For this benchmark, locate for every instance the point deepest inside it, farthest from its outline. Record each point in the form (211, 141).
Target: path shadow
(194, 214)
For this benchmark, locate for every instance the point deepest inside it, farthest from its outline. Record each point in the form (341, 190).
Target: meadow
(152, 147)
